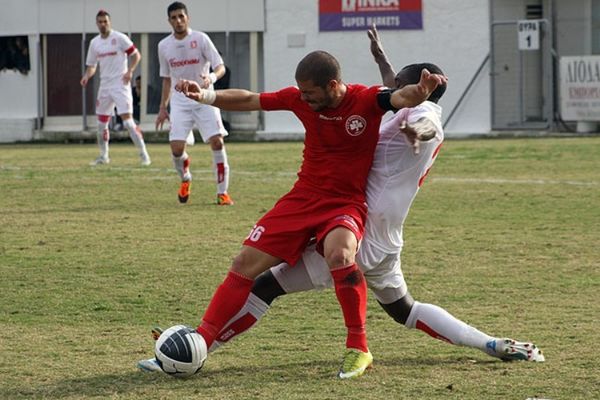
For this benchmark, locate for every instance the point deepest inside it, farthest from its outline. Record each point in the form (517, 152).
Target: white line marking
(290, 174)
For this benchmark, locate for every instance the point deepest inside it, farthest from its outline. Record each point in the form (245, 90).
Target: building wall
(455, 36)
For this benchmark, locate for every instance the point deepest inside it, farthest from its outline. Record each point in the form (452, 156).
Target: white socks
(246, 318)
(221, 168)
(440, 324)
(136, 136)
(182, 166)
(103, 136)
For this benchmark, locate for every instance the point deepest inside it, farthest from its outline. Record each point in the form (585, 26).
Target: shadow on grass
(138, 382)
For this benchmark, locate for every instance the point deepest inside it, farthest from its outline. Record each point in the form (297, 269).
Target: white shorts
(381, 270)
(206, 118)
(111, 96)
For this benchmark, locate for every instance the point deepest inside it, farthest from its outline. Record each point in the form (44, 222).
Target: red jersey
(340, 142)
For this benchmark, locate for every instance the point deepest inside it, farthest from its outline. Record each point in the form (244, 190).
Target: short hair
(177, 5)
(319, 67)
(411, 74)
(103, 13)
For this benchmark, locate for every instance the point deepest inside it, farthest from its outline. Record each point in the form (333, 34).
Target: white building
(496, 81)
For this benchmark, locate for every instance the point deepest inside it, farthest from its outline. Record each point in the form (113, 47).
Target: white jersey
(111, 54)
(189, 58)
(396, 175)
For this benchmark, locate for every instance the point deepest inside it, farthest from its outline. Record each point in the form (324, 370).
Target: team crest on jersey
(113, 41)
(193, 44)
(355, 125)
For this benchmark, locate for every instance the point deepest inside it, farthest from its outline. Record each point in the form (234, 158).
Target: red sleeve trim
(130, 50)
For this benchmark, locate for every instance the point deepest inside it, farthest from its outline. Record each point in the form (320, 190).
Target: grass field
(504, 234)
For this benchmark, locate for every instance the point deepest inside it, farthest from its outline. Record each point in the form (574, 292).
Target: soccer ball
(180, 351)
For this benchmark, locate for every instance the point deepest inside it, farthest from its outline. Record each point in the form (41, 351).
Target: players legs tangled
(309, 240)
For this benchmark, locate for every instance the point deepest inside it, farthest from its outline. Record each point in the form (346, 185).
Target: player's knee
(247, 264)
(400, 309)
(339, 257)
(216, 142)
(267, 288)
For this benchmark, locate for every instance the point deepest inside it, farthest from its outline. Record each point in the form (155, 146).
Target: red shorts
(285, 231)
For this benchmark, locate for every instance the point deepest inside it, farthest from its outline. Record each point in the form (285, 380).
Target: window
(14, 54)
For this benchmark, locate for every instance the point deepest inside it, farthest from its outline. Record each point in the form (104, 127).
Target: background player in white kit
(111, 49)
(408, 145)
(188, 54)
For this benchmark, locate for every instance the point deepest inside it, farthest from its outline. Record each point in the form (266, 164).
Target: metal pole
(467, 89)
(40, 92)
(492, 72)
(83, 89)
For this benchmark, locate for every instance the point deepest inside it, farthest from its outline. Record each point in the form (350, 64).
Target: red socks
(227, 301)
(351, 291)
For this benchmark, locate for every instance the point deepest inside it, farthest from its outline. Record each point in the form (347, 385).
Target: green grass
(504, 234)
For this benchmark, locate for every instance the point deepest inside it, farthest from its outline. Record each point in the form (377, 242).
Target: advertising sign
(353, 15)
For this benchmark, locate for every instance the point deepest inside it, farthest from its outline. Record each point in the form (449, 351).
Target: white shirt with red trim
(397, 174)
(111, 55)
(187, 58)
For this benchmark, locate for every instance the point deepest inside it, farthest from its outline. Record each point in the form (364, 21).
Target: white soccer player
(111, 50)
(189, 54)
(408, 145)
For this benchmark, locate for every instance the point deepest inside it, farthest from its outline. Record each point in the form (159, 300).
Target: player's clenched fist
(192, 90)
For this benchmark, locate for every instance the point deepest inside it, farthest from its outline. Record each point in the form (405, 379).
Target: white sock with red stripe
(103, 135)
(182, 166)
(440, 324)
(135, 133)
(249, 315)
(221, 168)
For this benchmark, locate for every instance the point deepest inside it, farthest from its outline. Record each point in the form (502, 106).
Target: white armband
(213, 77)
(208, 96)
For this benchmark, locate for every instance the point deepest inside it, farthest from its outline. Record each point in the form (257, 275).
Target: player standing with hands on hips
(188, 54)
(111, 49)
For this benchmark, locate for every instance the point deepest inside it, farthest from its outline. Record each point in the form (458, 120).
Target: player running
(188, 54)
(111, 50)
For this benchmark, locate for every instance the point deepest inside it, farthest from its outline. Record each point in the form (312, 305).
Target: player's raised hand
(429, 82)
(376, 46)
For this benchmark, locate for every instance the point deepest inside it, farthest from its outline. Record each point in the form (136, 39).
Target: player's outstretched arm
(413, 95)
(228, 99)
(385, 67)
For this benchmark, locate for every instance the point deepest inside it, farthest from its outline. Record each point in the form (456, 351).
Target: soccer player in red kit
(327, 201)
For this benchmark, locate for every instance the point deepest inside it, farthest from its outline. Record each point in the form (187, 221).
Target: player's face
(179, 21)
(316, 97)
(103, 24)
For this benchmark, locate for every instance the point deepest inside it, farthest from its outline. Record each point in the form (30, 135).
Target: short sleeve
(280, 100)
(91, 59)
(210, 52)
(126, 44)
(164, 71)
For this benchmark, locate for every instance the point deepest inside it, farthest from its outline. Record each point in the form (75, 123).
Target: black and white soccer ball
(180, 351)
